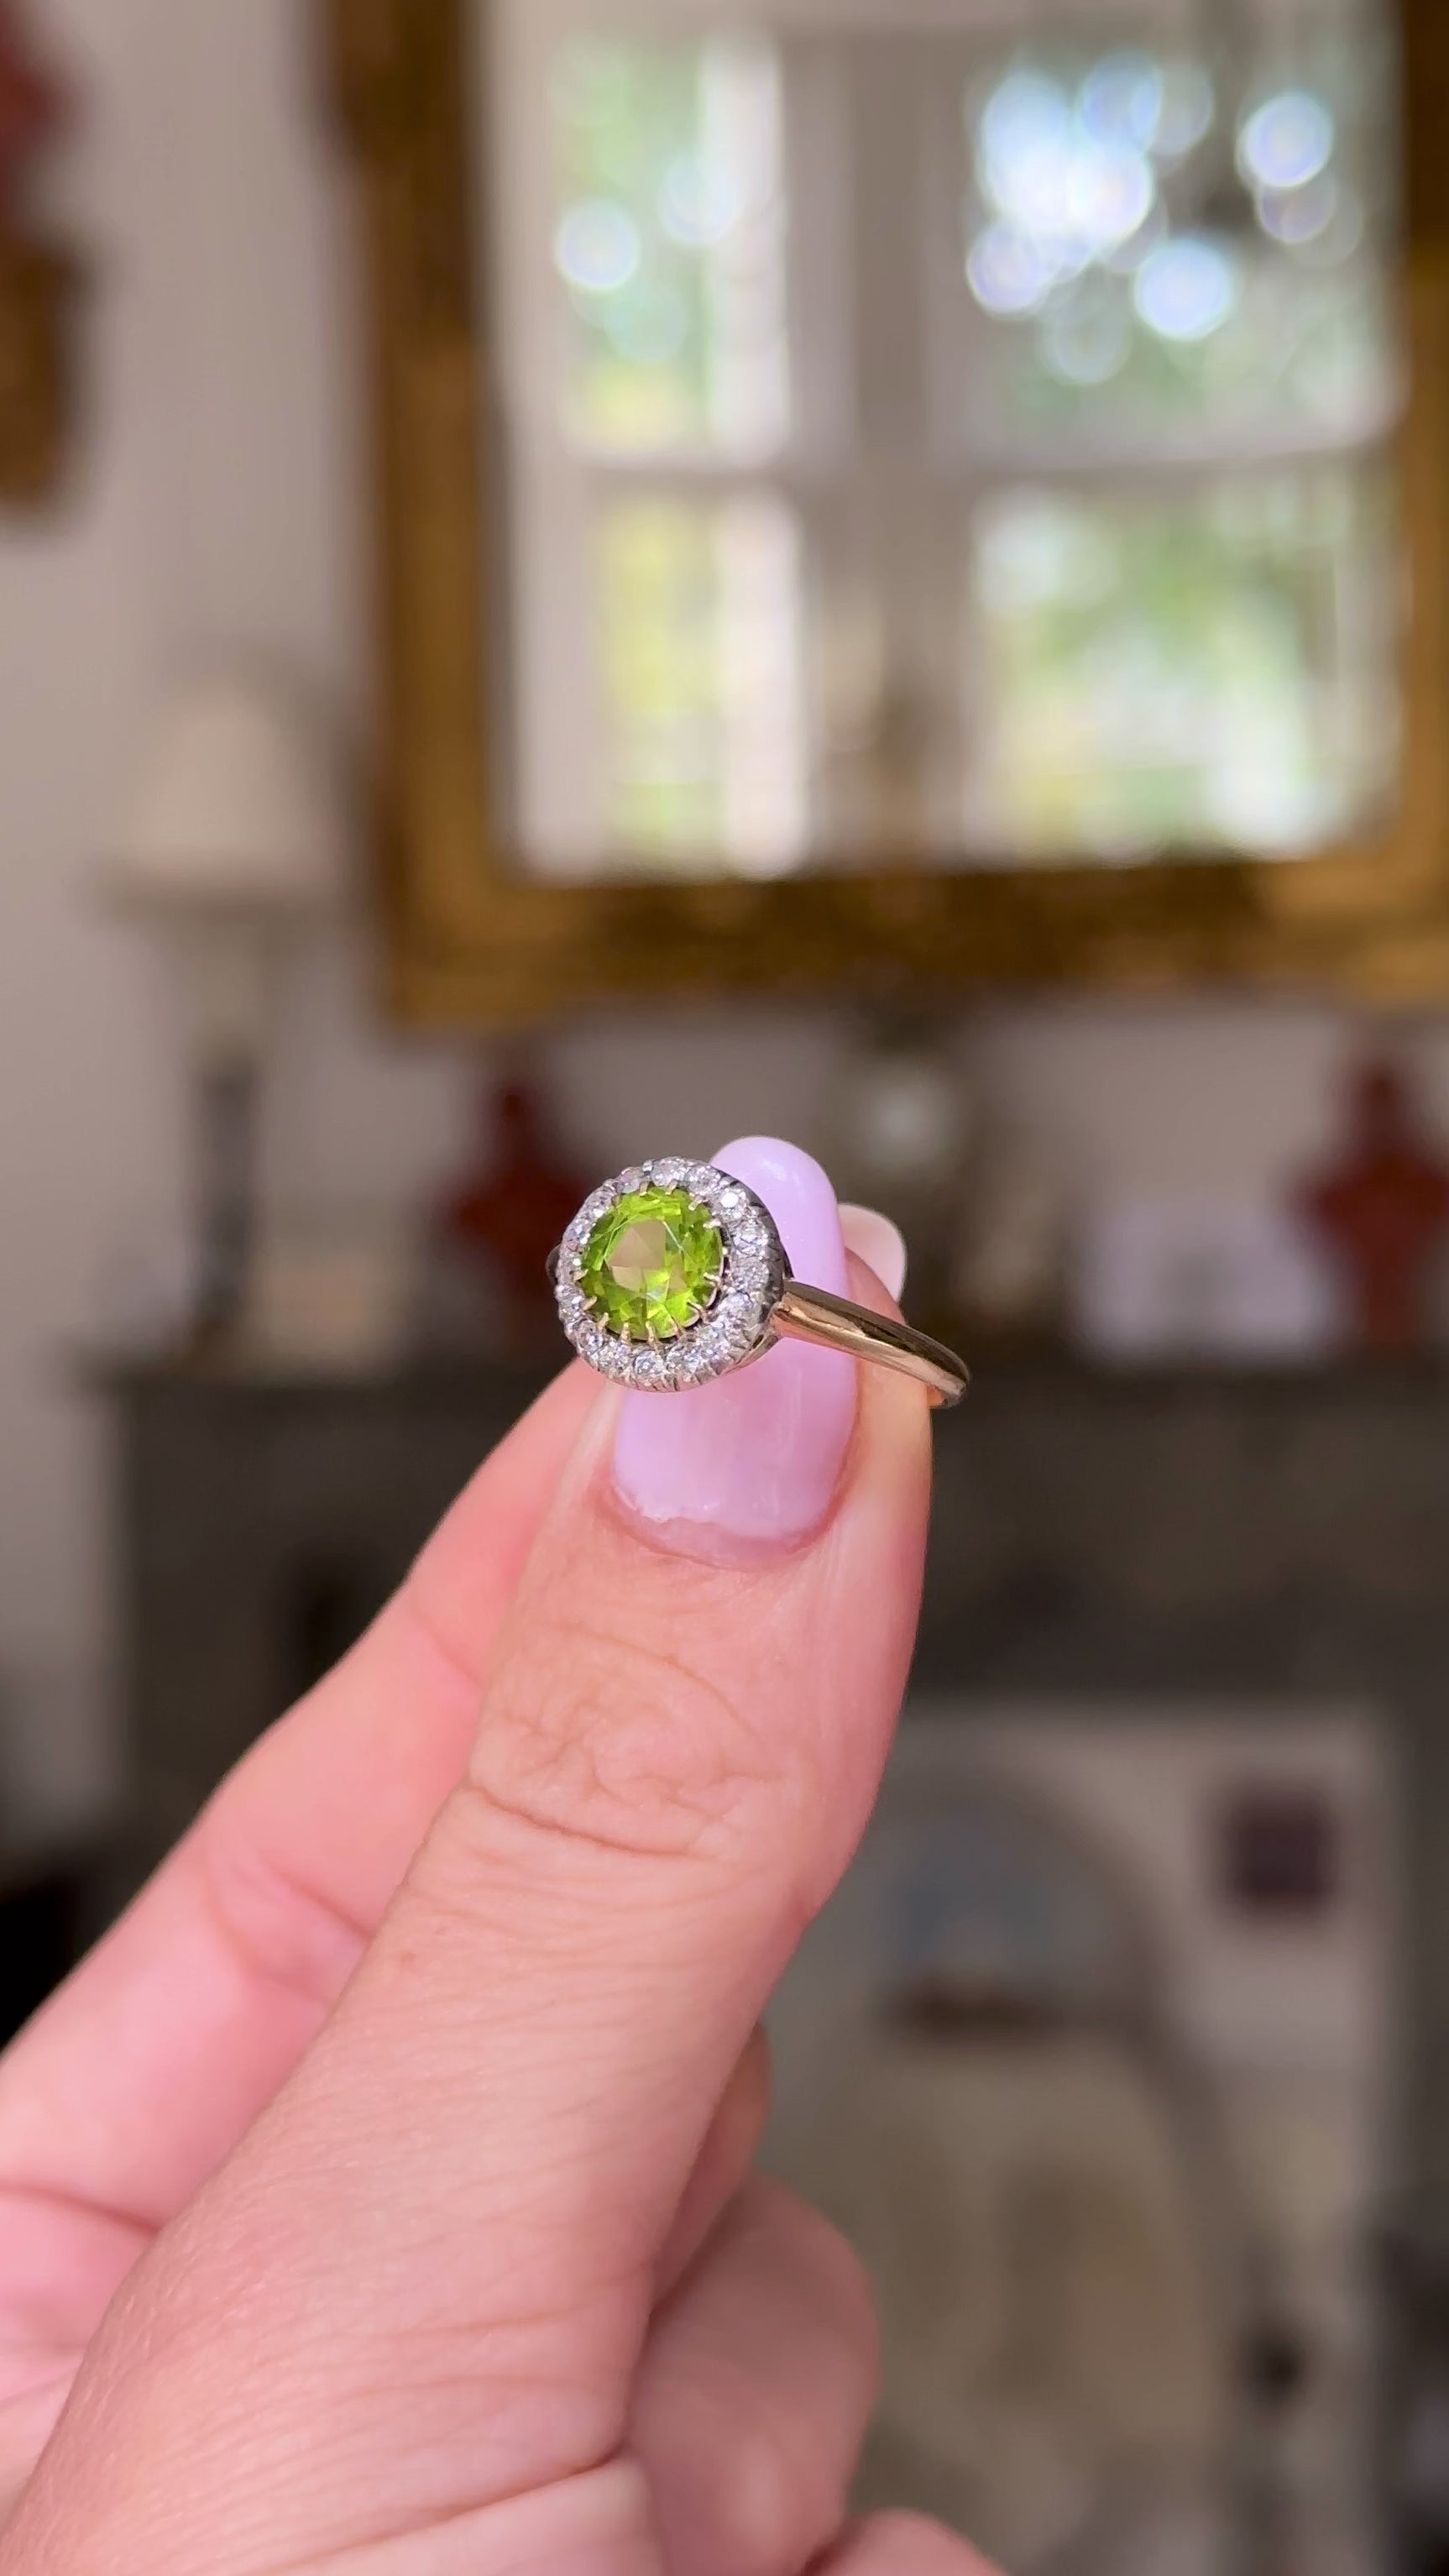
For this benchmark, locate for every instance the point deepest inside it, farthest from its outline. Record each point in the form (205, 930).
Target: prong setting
(735, 1324)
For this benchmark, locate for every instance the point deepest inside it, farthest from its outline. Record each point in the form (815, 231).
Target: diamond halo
(738, 1326)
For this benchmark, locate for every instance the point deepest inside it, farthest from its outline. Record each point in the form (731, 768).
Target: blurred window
(1173, 257)
(669, 245)
(923, 438)
(1201, 665)
(699, 643)
(1178, 309)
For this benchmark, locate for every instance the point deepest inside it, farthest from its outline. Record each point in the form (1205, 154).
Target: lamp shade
(239, 807)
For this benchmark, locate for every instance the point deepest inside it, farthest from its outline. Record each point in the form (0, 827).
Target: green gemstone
(653, 1264)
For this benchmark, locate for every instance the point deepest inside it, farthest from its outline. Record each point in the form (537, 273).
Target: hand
(376, 2200)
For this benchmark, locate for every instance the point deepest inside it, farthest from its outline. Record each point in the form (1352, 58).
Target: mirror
(897, 491)
(932, 434)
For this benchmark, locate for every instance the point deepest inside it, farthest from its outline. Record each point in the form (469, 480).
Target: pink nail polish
(879, 1243)
(750, 1466)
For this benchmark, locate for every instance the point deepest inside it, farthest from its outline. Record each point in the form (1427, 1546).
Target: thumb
(423, 2282)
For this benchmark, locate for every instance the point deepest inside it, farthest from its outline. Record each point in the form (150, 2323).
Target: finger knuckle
(777, 2501)
(840, 2284)
(614, 1740)
(284, 1933)
(909, 2544)
(777, 2488)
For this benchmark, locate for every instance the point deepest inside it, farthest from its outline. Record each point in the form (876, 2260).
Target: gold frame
(472, 941)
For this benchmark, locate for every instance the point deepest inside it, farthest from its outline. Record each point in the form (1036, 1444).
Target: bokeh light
(700, 203)
(1066, 186)
(598, 248)
(1294, 216)
(1110, 194)
(1026, 156)
(1186, 288)
(1121, 100)
(1008, 271)
(1026, 117)
(1287, 141)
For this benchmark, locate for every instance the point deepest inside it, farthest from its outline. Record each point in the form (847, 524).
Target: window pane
(669, 244)
(701, 662)
(1184, 251)
(1199, 670)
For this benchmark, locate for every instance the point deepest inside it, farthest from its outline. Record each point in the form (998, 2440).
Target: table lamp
(235, 847)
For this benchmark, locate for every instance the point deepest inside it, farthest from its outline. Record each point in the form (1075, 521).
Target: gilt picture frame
(472, 940)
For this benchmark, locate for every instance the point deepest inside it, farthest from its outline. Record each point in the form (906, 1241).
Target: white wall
(219, 501)
(214, 503)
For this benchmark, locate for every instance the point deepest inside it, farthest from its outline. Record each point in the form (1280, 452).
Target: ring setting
(670, 1276)
(674, 1274)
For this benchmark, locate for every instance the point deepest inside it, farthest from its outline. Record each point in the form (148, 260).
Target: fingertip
(751, 1464)
(879, 1244)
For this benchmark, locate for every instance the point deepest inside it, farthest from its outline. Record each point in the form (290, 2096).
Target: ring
(675, 1274)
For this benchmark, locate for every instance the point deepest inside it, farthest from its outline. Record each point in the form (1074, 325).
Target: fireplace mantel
(1165, 1536)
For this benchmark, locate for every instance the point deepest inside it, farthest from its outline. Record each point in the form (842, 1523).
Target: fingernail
(749, 1467)
(879, 1244)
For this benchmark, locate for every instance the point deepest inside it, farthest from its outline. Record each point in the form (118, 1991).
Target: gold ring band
(834, 1323)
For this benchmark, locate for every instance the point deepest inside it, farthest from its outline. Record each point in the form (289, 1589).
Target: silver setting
(739, 1326)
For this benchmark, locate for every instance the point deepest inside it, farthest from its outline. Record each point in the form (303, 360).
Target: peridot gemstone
(653, 1265)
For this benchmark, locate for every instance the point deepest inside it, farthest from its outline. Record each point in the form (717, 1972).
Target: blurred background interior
(582, 577)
